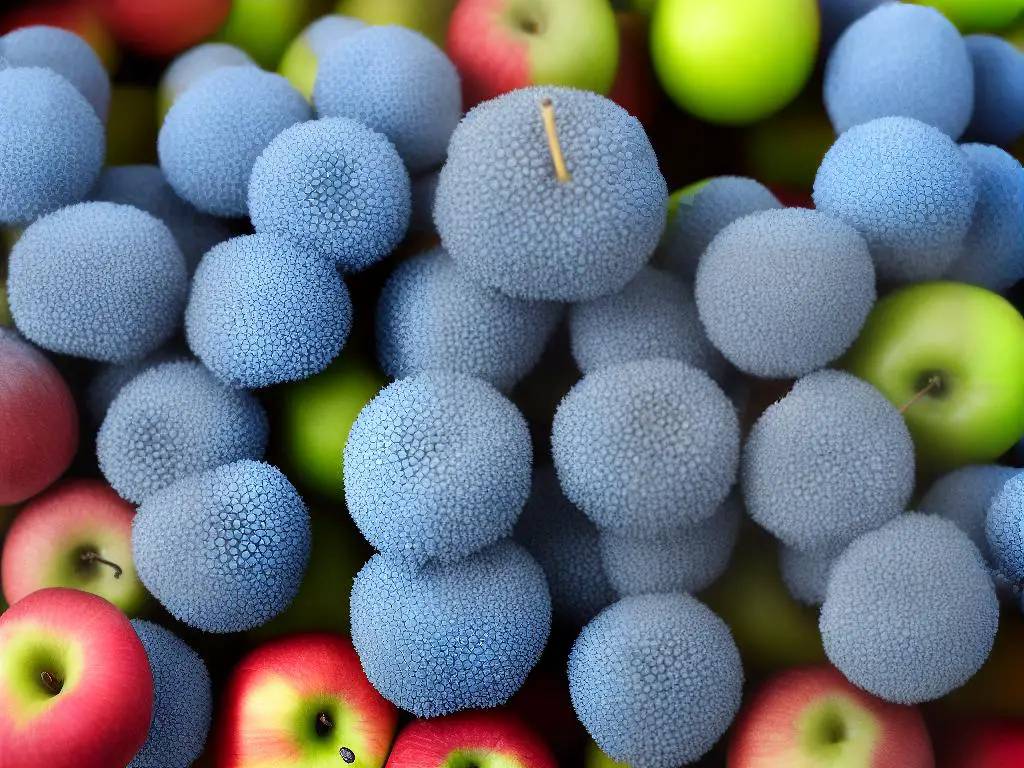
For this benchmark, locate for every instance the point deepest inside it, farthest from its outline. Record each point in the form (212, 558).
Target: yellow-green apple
(76, 690)
(501, 45)
(813, 716)
(303, 701)
(978, 15)
(429, 17)
(301, 59)
(596, 758)
(76, 534)
(734, 61)
(951, 356)
(490, 738)
(38, 420)
(265, 28)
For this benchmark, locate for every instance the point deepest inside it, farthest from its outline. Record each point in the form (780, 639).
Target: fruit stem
(547, 110)
(934, 382)
(92, 557)
(51, 683)
(325, 721)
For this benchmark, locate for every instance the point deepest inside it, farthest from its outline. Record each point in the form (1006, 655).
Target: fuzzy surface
(910, 612)
(437, 467)
(656, 679)
(224, 550)
(451, 637)
(805, 573)
(998, 116)
(197, 62)
(1004, 529)
(101, 281)
(507, 220)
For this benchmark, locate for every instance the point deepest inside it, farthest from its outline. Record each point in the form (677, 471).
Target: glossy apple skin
(162, 28)
(270, 707)
(501, 45)
(43, 546)
(994, 743)
(974, 339)
(38, 420)
(635, 88)
(265, 28)
(101, 717)
(429, 17)
(490, 737)
(780, 726)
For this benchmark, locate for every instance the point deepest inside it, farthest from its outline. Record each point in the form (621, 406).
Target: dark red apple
(489, 738)
(995, 743)
(163, 28)
(636, 87)
(38, 420)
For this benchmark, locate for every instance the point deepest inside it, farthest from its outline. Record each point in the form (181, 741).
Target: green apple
(317, 415)
(596, 758)
(734, 61)
(787, 148)
(427, 16)
(978, 15)
(299, 63)
(338, 552)
(265, 28)
(952, 357)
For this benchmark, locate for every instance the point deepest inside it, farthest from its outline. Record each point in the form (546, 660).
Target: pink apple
(75, 685)
(490, 738)
(38, 420)
(76, 534)
(994, 743)
(813, 715)
(636, 87)
(303, 701)
(501, 45)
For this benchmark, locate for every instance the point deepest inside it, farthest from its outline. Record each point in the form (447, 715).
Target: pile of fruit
(648, 478)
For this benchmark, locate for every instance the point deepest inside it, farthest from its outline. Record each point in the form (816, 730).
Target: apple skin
(977, 15)
(270, 707)
(635, 88)
(501, 45)
(490, 738)
(991, 743)
(101, 717)
(973, 340)
(595, 758)
(78, 16)
(162, 28)
(132, 126)
(429, 17)
(38, 421)
(45, 543)
(734, 61)
(812, 715)
(265, 28)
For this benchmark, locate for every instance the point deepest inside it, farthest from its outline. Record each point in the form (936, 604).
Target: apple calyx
(90, 557)
(51, 683)
(547, 111)
(933, 386)
(323, 727)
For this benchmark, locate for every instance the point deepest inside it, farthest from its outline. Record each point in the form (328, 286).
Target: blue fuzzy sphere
(145, 187)
(806, 573)
(907, 188)
(182, 700)
(646, 447)
(437, 466)
(508, 221)
(397, 82)
(224, 550)
(993, 255)
(655, 315)
(1004, 528)
(910, 612)
(110, 379)
(704, 213)
(998, 90)
(450, 637)
(174, 420)
(333, 188)
(900, 60)
(52, 144)
(431, 317)
(197, 62)
(656, 679)
(66, 54)
(829, 461)
(262, 313)
(97, 280)
(213, 134)
(567, 546)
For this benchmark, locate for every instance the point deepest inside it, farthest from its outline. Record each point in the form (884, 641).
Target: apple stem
(547, 110)
(325, 721)
(92, 557)
(51, 683)
(934, 382)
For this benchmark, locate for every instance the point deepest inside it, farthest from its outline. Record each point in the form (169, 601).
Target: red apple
(163, 27)
(38, 420)
(982, 744)
(76, 534)
(636, 87)
(303, 701)
(814, 716)
(490, 738)
(75, 685)
(501, 45)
